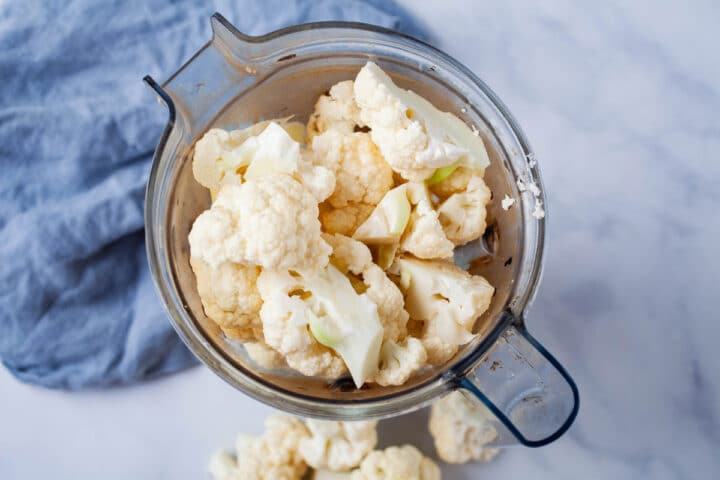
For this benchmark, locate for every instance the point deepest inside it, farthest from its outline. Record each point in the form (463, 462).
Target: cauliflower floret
(463, 214)
(337, 110)
(270, 221)
(406, 462)
(319, 180)
(362, 176)
(414, 137)
(274, 454)
(263, 355)
(338, 446)
(456, 182)
(223, 467)
(300, 314)
(344, 220)
(424, 236)
(461, 429)
(398, 362)
(448, 299)
(349, 254)
(228, 294)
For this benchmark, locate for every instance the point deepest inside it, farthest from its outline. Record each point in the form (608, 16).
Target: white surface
(622, 105)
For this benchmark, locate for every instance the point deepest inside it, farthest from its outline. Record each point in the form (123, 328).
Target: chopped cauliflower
(414, 137)
(270, 221)
(399, 361)
(394, 463)
(337, 446)
(274, 454)
(228, 293)
(349, 254)
(456, 182)
(424, 236)
(361, 174)
(463, 214)
(507, 202)
(344, 220)
(448, 299)
(462, 429)
(337, 111)
(264, 356)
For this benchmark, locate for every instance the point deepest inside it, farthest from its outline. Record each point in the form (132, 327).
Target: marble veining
(620, 101)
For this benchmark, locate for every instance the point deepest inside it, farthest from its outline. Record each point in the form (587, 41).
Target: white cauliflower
(361, 174)
(274, 455)
(344, 220)
(338, 446)
(351, 255)
(463, 214)
(310, 318)
(399, 361)
(394, 463)
(270, 221)
(337, 110)
(414, 137)
(456, 182)
(461, 429)
(264, 356)
(424, 236)
(228, 294)
(447, 299)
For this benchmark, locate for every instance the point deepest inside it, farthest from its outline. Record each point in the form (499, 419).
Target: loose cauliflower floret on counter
(349, 254)
(399, 361)
(463, 214)
(338, 446)
(406, 462)
(274, 454)
(264, 356)
(337, 110)
(228, 293)
(414, 137)
(447, 299)
(344, 220)
(361, 173)
(461, 429)
(270, 221)
(456, 182)
(424, 236)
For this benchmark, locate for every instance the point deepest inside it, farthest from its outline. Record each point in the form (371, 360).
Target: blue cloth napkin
(77, 132)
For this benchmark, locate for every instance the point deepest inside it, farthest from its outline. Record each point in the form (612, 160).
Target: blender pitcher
(235, 80)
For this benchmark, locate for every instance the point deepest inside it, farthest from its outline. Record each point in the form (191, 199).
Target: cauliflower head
(463, 214)
(461, 429)
(336, 110)
(275, 453)
(344, 220)
(361, 173)
(271, 221)
(414, 137)
(337, 446)
(228, 293)
(399, 361)
(405, 462)
(447, 299)
(424, 236)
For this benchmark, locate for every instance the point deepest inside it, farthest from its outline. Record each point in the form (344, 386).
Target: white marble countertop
(622, 104)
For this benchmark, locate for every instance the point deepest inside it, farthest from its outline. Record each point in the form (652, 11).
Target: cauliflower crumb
(405, 462)
(270, 221)
(462, 429)
(344, 220)
(463, 215)
(424, 236)
(361, 173)
(507, 202)
(538, 211)
(337, 446)
(337, 111)
(399, 361)
(228, 294)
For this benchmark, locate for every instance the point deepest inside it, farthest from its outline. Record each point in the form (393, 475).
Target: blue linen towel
(77, 132)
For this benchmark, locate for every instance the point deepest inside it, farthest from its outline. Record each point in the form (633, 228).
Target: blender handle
(524, 387)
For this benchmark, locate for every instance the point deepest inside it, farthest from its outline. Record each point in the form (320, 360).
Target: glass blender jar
(237, 80)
